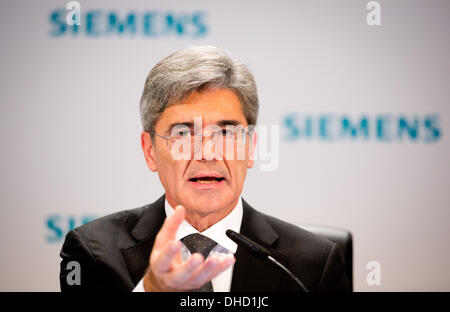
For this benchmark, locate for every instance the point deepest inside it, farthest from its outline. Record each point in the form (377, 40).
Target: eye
(226, 132)
(183, 133)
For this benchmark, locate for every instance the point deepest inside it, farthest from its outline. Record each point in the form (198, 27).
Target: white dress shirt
(233, 220)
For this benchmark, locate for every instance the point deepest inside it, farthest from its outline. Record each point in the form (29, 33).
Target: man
(198, 110)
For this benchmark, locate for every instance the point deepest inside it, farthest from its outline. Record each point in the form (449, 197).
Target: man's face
(205, 183)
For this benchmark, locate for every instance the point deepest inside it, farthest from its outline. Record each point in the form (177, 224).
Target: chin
(207, 203)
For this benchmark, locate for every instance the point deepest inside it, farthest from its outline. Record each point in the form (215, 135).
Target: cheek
(174, 170)
(239, 171)
(170, 171)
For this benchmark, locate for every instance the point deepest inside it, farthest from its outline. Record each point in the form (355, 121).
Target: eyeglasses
(219, 136)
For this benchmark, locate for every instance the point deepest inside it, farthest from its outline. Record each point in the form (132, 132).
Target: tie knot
(199, 243)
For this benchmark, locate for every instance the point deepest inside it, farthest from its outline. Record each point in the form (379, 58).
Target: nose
(205, 148)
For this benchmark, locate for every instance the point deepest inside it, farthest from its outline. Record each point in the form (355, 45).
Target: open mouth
(206, 179)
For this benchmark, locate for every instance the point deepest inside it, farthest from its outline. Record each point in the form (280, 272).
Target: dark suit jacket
(113, 253)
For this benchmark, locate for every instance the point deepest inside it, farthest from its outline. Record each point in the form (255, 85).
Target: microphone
(261, 253)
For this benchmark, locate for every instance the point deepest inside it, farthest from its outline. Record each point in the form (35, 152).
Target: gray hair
(196, 69)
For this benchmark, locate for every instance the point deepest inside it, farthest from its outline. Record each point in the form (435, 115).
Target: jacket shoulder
(308, 252)
(290, 234)
(97, 246)
(113, 224)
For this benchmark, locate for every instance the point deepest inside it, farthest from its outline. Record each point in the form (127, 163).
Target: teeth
(207, 181)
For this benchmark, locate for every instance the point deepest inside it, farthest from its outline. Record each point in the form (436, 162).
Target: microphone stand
(262, 253)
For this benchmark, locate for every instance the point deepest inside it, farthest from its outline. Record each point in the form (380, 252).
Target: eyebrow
(190, 124)
(228, 122)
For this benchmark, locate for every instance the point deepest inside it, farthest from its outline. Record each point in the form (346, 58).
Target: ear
(252, 149)
(149, 151)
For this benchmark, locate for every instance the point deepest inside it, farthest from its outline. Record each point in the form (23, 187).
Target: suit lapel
(137, 256)
(251, 273)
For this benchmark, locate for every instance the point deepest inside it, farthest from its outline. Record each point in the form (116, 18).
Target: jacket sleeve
(333, 275)
(79, 270)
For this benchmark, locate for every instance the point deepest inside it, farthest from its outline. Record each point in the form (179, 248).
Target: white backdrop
(70, 123)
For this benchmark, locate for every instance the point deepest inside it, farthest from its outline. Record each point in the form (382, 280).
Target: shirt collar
(217, 231)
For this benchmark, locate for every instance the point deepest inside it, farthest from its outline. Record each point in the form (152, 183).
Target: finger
(170, 227)
(163, 259)
(222, 265)
(200, 276)
(183, 272)
(225, 263)
(212, 267)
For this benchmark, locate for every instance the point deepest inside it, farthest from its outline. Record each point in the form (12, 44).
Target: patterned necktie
(203, 245)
